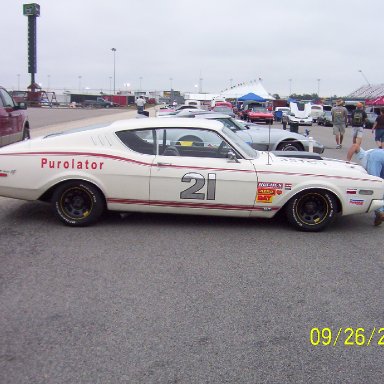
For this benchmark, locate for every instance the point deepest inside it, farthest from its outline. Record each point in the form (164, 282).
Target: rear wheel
(289, 146)
(311, 210)
(78, 203)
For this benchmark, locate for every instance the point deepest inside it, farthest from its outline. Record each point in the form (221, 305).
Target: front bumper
(375, 204)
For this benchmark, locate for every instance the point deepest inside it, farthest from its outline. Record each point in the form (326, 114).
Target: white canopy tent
(253, 87)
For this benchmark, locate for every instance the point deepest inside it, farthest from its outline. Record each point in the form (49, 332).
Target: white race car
(185, 166)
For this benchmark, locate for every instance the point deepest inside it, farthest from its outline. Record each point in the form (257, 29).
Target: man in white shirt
(140, 102)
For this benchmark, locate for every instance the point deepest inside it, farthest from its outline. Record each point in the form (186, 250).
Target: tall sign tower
(32, 11)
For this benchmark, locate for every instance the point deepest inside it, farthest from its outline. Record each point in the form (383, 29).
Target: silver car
(260, 137)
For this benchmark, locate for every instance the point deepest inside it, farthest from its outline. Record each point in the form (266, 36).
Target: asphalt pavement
(150, 298)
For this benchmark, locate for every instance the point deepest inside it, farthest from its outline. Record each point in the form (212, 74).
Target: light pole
(230, 83)
(79, 82)
(140, 78)
(170, 81)
(318, 87)
(362, 74)
(114, 69)
(290, 87)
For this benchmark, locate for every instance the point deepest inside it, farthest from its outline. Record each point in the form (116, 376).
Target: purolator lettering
(46, 163)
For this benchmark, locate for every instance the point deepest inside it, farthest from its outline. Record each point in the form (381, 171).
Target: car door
(14, 113)
(193, 174)
(5, 121)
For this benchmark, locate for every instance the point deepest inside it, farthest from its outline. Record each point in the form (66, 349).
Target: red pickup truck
(14, 124)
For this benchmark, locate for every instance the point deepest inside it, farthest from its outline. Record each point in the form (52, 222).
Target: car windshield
(246, 149)
(222, 109)
(231, 123)
(259, 109)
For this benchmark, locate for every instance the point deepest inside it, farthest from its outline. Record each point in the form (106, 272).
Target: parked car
(99, 102)
(280, 112)
(300, 115)
(19, 96)
(260, 115)
(14, 124)
(257, 136)
(316, 111)
(186, 106)
(325, 119)
(132, 165)
(223, 109)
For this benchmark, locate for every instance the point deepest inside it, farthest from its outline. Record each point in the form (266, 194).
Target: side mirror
(22, 105)
(232, 157)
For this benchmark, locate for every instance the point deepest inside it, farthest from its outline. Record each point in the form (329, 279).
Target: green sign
(31, 9)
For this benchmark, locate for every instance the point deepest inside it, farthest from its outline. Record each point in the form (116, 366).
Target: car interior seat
(171, 151)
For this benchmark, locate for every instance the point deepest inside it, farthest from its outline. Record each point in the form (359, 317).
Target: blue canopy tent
(252, 97)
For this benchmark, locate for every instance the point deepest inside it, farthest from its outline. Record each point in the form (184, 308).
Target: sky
(330, 47)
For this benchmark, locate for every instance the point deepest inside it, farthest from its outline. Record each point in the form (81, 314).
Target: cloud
(276, 40)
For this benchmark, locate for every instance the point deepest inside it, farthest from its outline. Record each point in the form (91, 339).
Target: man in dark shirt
(358, 118)
(378, 128)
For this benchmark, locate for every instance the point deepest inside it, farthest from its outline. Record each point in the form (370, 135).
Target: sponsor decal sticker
(266, 184)
(267, 190)
(5, 173)
(351, 191)
(356, 202)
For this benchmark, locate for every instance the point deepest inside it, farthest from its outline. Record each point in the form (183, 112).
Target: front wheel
(26, 133)
(312, 210)
(78, 203)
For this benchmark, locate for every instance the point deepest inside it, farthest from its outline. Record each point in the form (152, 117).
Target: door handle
(159, 164)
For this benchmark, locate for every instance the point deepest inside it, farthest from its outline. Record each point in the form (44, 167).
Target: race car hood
(315, 166)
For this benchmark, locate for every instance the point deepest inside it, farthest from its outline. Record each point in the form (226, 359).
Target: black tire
(26, 133)
(311, 210)
(289, 146)
(77, 203)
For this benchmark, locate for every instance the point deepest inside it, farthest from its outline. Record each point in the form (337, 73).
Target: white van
(316, 111)
(193, 103)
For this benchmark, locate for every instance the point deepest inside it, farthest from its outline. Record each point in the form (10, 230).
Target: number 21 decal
(199, 181)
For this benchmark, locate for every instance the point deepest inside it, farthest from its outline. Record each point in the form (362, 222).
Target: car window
(141, 141)
(6, 99)
(189, 142)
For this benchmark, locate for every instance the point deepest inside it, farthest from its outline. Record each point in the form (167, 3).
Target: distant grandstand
(368, 92)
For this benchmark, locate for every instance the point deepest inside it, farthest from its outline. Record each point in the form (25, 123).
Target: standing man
(358, 118)
(284, 120)
(378, 128)
(140, 102)
(339, 119)
(373, 161)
